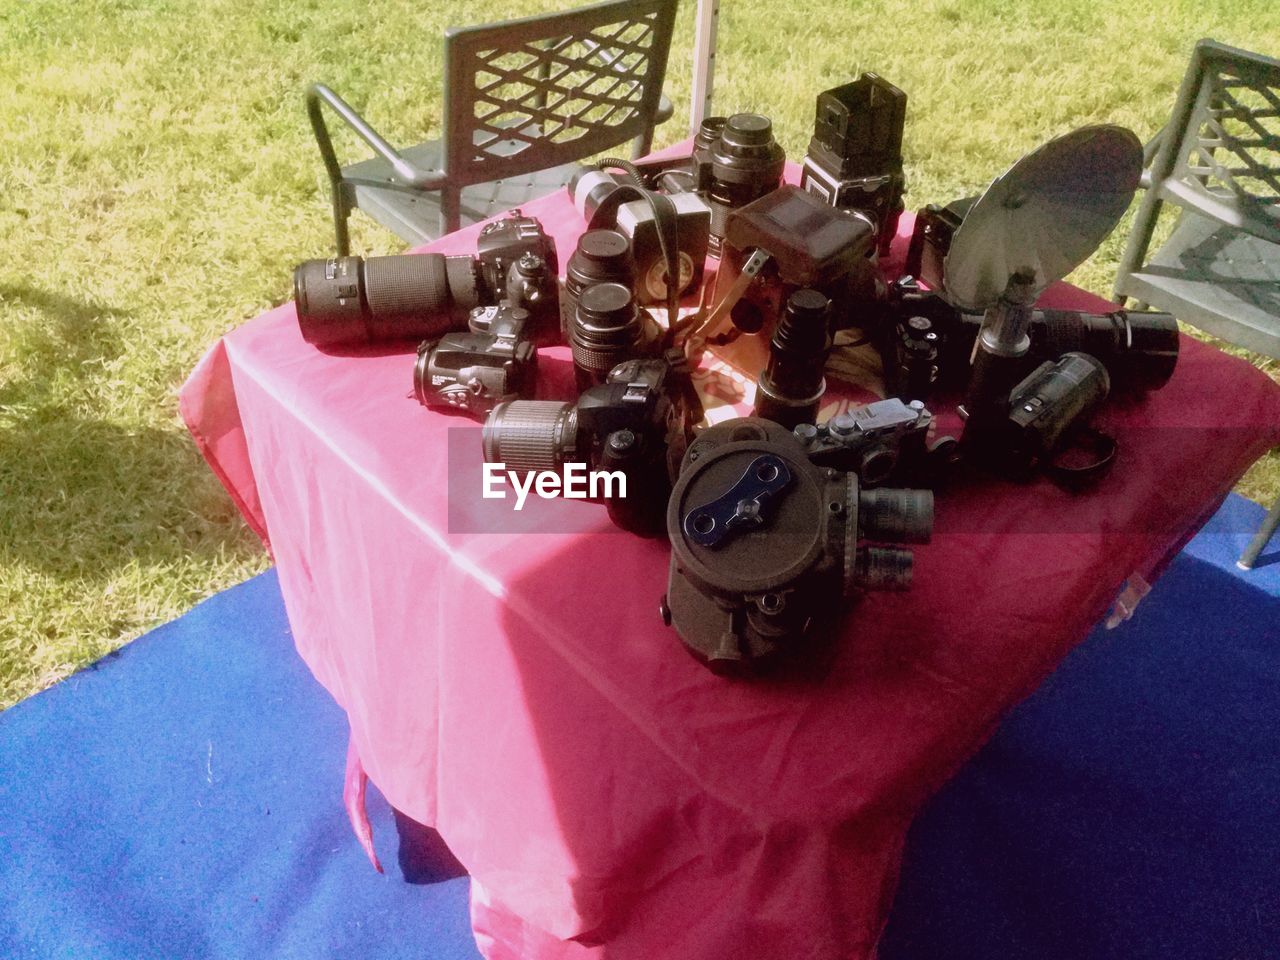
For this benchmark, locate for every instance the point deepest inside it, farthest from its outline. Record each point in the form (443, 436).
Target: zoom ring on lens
(600, 362)
(529, 434)
(407, 289)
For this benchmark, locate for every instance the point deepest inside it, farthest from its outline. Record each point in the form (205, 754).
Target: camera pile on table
(775, 520)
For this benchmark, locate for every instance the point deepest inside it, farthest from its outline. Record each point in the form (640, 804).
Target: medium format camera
(352, 300)
(638, 422)
(474, 371)
(855, 157)
(766, 545)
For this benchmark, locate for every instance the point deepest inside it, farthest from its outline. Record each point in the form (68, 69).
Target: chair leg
(450, 209)
(1265, 532)
(341, 214)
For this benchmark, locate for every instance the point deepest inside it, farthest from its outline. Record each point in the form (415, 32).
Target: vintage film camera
(353, 300)
(855, 157)
(766, 545)
(786, 241)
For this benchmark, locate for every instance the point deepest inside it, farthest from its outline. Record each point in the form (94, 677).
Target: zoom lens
(1139, 350)
(530, 434)
(356, 300)
(606, 330)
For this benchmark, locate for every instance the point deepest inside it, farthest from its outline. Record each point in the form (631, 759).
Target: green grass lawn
(158, 182)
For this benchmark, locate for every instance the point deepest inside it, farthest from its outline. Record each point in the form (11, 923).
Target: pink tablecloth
(517, 690)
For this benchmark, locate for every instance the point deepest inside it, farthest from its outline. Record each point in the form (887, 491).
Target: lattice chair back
(530, 94)
(1225, 141)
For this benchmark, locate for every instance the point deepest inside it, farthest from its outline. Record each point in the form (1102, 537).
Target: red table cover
(508, 679)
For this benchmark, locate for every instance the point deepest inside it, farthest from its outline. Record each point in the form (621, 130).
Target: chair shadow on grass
(81, 494)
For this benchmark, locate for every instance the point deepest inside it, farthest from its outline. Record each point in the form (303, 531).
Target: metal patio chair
(523, 101)
(1218, 162)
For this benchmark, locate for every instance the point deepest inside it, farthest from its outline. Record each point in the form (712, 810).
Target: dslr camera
(638, 422)
(353, 300)
(472, 372)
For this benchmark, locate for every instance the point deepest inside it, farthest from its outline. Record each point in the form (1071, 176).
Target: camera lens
(791, 386)
(881, 568)
(602, 256)
(530, 434)
(746, 164)
(896, 516)
(606, 330)
(353, 300)
(1139, 350)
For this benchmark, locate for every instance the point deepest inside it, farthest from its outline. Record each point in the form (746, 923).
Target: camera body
(854, 160)
(476, 370)
(928, 342)
(638, 422)
(883, 442)
(766, 544)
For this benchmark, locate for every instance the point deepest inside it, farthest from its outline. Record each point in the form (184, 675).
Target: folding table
(508, 680)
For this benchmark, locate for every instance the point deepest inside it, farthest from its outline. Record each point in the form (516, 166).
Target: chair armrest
(1223, 210)
(318, 95)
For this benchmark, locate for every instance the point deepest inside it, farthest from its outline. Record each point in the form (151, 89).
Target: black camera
(637, 424)
(474, 371)
(349, 300)
(855, 157)
(928, 343)
(765, 544)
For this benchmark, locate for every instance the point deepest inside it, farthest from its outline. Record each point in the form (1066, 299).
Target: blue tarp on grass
(182, 798)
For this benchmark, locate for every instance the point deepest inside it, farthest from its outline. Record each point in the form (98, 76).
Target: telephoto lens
(356, 300)
(1139, 350)
(791, 386)
(602, 256)
(746, 164)
(607, 328)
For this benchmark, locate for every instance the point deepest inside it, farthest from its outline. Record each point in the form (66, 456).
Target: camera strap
(666, 222)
